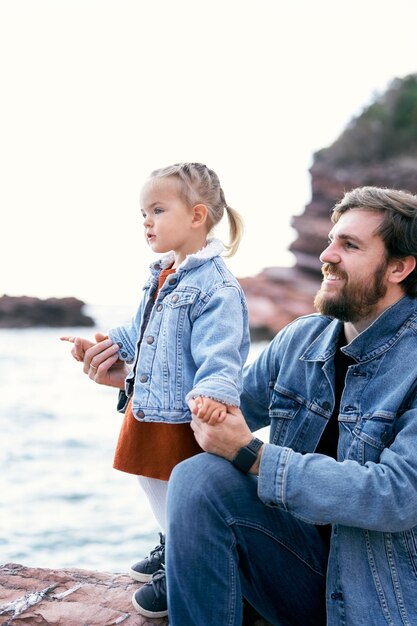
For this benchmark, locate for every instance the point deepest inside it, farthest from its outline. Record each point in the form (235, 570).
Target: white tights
(156, 492)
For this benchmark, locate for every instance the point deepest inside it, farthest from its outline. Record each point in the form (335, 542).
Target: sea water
(61, 502)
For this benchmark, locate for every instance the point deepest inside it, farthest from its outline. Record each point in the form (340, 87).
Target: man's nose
(330, 254)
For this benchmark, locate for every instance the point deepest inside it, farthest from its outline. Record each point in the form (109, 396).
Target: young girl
(188, 340)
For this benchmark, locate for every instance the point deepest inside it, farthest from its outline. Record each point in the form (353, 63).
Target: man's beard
(354, 301)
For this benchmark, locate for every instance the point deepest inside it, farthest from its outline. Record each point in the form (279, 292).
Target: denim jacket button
(385, 436)
(159, 308)
(172, 281)
(150, 339)
(325, 405)
(123, 354)
(175, 298)
(336, 596)
(144, 378)
(140, 414)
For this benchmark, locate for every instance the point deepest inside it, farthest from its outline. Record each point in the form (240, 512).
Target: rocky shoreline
(70, 597)
(27, 311)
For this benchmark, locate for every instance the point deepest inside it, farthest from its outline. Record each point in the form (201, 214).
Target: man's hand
(79, 345)
(224, 438)
(100, 360)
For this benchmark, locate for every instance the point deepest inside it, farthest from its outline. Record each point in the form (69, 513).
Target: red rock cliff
(378, 148)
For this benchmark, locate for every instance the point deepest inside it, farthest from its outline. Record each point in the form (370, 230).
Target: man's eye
(351, 245)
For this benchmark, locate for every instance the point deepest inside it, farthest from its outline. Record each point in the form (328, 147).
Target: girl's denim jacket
(193, 340)
(369, 495)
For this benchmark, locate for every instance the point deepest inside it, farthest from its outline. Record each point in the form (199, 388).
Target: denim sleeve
(124, 336)
(320, 490)
(219, 346)
(258, 380)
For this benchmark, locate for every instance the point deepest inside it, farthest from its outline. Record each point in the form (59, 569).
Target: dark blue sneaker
(147, 567)
(151, 599)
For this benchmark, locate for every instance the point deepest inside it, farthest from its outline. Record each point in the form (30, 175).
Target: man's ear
(401, 268)
(200, 213)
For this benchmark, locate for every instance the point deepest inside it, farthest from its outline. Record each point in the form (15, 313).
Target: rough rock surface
(74, 597)
(67, 597)
(26, 311)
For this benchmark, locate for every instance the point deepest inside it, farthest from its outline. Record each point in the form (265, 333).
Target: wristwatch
(247, 455)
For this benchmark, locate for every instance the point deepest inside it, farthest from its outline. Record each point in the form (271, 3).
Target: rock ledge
(67, 597)
(75, 597)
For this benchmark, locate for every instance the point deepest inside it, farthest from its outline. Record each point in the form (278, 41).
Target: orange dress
(153, 449)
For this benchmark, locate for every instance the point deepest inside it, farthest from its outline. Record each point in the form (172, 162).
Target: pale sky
(95, 94)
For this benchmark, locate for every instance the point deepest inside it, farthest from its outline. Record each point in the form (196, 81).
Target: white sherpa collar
(214, 247)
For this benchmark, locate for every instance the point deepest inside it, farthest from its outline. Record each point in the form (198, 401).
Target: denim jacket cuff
(219, 390)
(125, 352)
(272, 475)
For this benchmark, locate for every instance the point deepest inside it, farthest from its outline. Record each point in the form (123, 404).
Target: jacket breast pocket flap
(180, 298)
(376, 430)
(284, 404)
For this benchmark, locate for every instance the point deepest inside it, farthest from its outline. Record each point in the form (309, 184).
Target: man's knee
(195, 478)
(185, 471)
(192, 472)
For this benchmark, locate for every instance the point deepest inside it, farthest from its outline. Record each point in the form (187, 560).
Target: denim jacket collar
(214, 247)
(377, 338)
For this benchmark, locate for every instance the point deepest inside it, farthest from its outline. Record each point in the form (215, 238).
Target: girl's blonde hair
(200, 185)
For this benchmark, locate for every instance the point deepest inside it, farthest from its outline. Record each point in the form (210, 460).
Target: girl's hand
(209, 410)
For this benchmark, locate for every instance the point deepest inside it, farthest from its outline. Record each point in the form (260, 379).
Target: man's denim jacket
(193, 340)
(369, 494)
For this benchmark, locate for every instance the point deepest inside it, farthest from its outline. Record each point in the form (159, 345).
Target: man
(319, 525)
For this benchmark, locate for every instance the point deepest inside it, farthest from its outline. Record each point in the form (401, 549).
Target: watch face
(247, 455)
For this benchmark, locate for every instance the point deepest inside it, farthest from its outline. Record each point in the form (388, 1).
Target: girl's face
(166, 218)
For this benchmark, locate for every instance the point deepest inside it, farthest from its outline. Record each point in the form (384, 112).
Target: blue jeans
(223, 544)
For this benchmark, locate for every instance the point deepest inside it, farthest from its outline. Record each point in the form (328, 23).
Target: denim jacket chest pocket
(302, 433)
(364, 438)
(176, 311)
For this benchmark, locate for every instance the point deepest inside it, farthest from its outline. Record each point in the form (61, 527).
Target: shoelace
(158, 553)
(159, 584)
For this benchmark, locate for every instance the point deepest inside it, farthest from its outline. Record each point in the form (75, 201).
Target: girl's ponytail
(235, 230)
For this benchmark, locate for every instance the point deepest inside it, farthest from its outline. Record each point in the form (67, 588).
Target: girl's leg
(156, 491)
(224, 543)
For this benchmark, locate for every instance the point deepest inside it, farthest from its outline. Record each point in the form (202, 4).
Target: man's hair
(398, 228)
